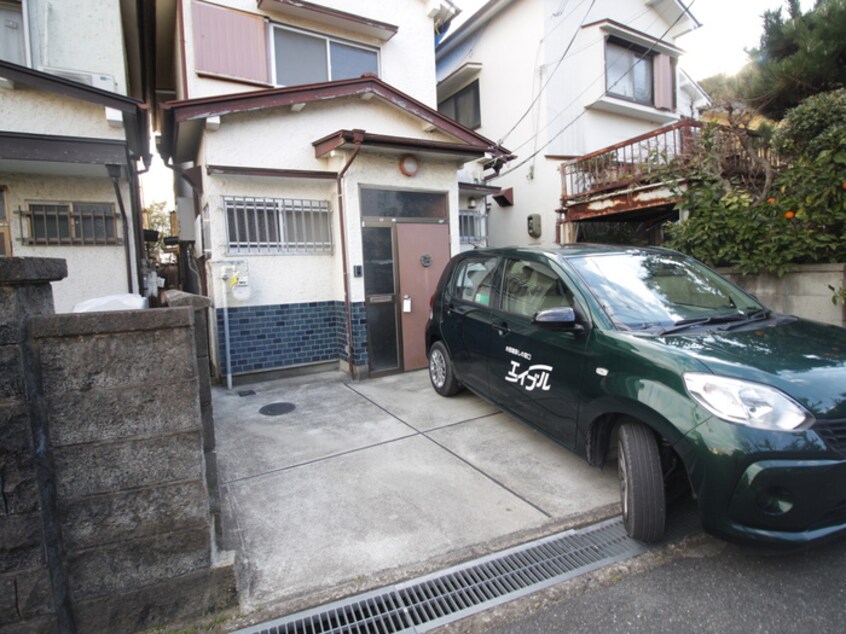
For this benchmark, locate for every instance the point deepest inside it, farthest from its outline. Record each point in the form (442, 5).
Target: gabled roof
(135, 113)
(183, 121)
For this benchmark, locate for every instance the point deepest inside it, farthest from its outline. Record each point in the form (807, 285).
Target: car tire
(441, 372)
(641, 482)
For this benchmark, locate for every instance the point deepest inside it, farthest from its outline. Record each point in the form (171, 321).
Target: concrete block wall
(119, 536)
(28, 555)
(804, 291)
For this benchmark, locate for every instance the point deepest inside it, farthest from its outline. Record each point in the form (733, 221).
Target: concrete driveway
(362, 484)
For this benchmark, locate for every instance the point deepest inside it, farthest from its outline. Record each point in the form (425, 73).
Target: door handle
(502, 328)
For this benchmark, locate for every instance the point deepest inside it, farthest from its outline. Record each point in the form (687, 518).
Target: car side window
(474, 279)
(530, 287)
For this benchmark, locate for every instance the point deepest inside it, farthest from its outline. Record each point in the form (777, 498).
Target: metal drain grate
(428, 602)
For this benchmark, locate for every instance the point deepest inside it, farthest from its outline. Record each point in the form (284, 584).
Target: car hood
(804, 359)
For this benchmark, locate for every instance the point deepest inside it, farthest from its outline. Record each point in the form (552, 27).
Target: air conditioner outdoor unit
(95, 80)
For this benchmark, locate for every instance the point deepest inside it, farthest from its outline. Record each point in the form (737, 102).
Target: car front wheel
(441, 372)
(641, 482)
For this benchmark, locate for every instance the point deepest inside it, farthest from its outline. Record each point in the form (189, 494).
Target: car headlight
(746, 403)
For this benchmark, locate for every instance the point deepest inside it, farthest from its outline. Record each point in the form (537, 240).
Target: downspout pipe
(114, 174)
(358, 139)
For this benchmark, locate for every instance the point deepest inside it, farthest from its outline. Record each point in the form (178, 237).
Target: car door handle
(502, 328)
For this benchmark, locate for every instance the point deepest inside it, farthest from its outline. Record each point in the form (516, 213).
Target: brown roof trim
(270, 172)
(176, 112)
(477, 188)
(344, 137)
(317, 13)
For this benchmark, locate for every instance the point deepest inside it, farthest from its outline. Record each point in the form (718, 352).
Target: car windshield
(660, 292)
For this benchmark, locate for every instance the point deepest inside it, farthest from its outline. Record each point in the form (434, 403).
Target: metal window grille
(472, 227)
(278, 225)
(71, 224)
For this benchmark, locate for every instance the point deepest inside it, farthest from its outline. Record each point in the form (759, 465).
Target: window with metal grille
(472, 227)
(278, 225)
(71, 224)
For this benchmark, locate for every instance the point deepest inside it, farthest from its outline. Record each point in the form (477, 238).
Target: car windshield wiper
(758, 315)
(684, 324)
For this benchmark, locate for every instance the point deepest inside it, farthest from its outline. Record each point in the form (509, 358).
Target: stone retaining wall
(105, 522)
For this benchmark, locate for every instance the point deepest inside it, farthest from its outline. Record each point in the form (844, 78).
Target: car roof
(567, 251)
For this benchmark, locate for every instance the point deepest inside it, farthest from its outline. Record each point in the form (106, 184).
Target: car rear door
(535, 372)
(466, 321)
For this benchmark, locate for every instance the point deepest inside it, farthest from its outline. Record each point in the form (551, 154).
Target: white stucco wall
(58, 28)
(537, 104)
(407, 60)
(34, 111)
(281, 139)
(93, 271)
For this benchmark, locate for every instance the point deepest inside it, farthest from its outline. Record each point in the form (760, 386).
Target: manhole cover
(277, 409)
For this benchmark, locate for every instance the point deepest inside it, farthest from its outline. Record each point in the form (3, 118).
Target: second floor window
(628, 72)
(303, 58)
(639, 75)
(464, 106)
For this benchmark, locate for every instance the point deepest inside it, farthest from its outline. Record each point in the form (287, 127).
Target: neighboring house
(315, 174)
(554, 80)
(70, 145)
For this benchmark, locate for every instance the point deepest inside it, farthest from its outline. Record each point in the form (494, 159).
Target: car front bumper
(771, 487)
(789, 501)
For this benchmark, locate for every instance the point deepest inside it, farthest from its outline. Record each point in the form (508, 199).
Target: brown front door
(422, 255)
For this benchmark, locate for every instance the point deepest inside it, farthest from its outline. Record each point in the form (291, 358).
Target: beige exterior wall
(281, 139)
(83, 36)
(93, 271)
(28, 110)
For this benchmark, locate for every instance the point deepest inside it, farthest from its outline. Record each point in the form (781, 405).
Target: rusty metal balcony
(648, 172)
(630, 176)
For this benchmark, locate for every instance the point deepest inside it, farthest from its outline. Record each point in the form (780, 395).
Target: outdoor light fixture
(471, 202)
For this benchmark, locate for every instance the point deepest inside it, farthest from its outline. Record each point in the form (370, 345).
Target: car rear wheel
(641, 482)
(441, 372)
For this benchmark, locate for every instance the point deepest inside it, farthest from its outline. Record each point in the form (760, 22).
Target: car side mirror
(562, 318)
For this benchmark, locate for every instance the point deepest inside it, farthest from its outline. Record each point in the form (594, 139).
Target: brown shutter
(662, 71)
(229, 43)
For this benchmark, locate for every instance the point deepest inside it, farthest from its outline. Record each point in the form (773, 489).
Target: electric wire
(584, 112)
(533, 137)
(549, 77)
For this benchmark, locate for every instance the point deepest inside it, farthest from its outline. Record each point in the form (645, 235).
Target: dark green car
(648, 356)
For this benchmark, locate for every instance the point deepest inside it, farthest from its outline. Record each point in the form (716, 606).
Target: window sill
(607, 103)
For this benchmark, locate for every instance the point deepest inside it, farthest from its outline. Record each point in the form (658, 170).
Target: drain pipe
(225, 277)
(114, 174)
(358, 139)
